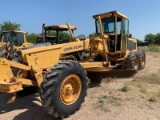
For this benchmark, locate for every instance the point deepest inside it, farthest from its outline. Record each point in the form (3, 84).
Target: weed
(107, 110)
(144, 90)
(100, 103)
(152, 99)
(156, 76)
(158, 93)
(91, 97)
(150, 107)
(110, 92)
(125, 88)
(109, 79)
(141, 96)
(105, 97)
(115, 100)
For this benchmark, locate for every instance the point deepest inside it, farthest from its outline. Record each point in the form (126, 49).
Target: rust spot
(12, 80)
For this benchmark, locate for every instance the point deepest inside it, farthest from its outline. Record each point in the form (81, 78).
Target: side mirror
(130, 35)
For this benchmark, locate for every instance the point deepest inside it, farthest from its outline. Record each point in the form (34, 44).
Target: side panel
(45, 57)
(132, 44)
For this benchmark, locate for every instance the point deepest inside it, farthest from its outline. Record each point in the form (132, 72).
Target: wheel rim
(143, 59)
(70, 89)
(136, 63)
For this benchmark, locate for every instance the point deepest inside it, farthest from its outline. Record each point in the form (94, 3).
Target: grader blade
(120, 73)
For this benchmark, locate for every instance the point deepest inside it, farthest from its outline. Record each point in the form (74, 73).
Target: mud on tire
(55, 98)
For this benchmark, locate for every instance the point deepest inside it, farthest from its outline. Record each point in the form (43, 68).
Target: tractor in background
(11, 42)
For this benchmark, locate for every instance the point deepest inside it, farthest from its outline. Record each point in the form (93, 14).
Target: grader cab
(61, 71)
(120, 47)
(12, 41)
(52, 34)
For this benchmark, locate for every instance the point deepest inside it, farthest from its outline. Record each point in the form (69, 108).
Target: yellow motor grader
(61, 71)
(11, 42)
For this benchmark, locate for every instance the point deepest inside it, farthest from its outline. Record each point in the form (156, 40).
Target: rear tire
(64, 88)
(142, 59)
(132, 61)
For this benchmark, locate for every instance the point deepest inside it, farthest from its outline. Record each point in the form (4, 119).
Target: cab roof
(46, 36)
(59, 27)
(17, 31)
(109, 14)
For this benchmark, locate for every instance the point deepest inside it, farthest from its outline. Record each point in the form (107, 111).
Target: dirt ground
(114, 99)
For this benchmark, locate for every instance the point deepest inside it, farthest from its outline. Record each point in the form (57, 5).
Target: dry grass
(151, 48)
(151, 91)
(105, 101)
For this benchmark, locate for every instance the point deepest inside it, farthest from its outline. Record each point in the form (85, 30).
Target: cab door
(125, 33)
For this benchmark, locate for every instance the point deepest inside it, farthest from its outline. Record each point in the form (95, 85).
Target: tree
(157, 39)
(32, 37)
(7, 26)
(140, 43)
(64, 37)
(150, 39)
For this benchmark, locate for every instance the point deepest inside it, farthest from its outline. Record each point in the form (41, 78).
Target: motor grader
(15, 37)
(47, 39)
(53, 34)
(61, 71)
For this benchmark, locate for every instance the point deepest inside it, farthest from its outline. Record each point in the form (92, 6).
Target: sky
(144, 15)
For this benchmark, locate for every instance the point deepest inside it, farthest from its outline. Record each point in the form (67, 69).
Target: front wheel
(64, 88)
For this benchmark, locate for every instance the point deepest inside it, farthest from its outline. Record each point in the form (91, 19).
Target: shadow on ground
(29, 105)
